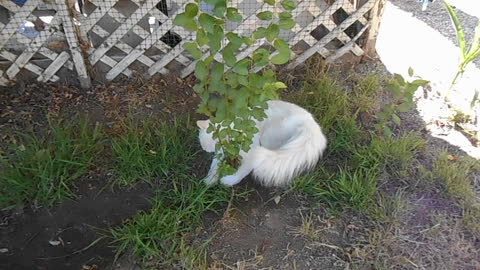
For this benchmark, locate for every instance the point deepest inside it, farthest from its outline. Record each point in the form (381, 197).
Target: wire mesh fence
(105, 39)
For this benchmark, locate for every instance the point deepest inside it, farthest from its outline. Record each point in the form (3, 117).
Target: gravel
(436, 16)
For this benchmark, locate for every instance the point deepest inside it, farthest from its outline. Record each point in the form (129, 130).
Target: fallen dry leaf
(277, 199)
(57, 242)
(89, 267)
(54, 242)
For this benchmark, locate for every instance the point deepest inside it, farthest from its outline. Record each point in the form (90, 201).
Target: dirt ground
(257, 232)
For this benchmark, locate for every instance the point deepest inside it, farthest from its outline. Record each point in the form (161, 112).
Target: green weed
(467, 55)
(387, 208)
(396, 154)
(43, 170)
(454, 173)
(151, 149)
(365, 92)
(160, 233)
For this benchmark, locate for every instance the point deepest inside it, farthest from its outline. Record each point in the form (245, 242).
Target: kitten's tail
(301, 153)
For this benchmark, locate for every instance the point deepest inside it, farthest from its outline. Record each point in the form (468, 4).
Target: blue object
(19, 1)
(207, 8)
(425, 3)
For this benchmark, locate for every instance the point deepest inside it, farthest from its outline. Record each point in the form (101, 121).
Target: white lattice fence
(113, 38)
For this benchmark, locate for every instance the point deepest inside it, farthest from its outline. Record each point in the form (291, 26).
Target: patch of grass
(471, 219)
(359, 155)
(43, 170)
(396, 154)
(349, 184)
(350, 188)
(454, 173)
(152, 149)
(354, 189)
(160, 232)
(365, 92)
(387, 208)
(307, 229)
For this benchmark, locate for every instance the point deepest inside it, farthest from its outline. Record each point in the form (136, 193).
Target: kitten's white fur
(288, 143)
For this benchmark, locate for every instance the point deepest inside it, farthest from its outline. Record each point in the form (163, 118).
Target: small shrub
(402, 92)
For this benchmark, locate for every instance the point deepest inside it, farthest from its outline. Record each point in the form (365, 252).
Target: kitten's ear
(203, 124)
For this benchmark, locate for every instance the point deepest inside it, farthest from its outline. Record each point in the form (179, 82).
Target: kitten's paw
(209, 180)
(230, 180)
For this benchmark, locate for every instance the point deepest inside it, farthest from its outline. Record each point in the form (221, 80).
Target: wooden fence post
(73, 42)
(376, 16)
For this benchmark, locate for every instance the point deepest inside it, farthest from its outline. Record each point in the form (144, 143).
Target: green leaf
(192, 48)
(218, 86)
(286, 24)
(410, 71)
(212, 2)
(259, 33)
(387, 131)
(280, 85)
(260, 57)
(404, 107)
(243, 80)
(270, 2)
(201, 70)
(220, 8)
(265, 15)
(396, 119)
(248, 41)
(191, 10)
(199, 88)
(232, 79)
(288, 4)
(215, 39)
(241, 67)
(233, 15)
(235, 40)
(202, 38)
(420, 82)
(272, 32)
(395, 90)
(399, 79)
(217, 72)
(229, 55)
(283, 52)
(475, 46)
(185, 21)
(285, 15)
(208, 60)
(458, 29)
(207, 22)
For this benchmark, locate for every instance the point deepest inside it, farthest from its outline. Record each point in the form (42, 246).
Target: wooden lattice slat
(116, 33)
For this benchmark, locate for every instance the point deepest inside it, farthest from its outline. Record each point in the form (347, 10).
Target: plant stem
(447, 95)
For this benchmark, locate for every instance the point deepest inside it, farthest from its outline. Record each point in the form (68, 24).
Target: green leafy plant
(467, 55)
(402, 92)
(231, 95)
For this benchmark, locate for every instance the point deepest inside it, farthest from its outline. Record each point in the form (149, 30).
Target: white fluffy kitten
(288, 143)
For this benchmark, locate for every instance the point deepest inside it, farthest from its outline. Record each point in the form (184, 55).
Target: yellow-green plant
(467, 55)
(402, 92)
(232, 96)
